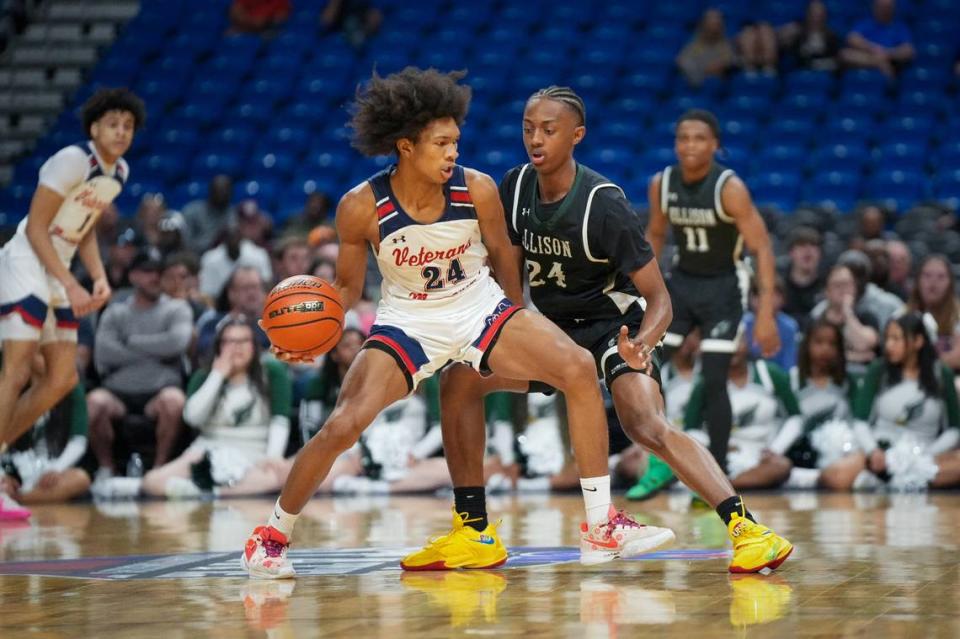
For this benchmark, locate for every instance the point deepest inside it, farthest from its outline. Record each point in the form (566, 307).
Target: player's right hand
(80, 300)
(292, 358)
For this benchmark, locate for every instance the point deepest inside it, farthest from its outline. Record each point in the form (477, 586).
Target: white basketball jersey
(428, 263)
(78, 174)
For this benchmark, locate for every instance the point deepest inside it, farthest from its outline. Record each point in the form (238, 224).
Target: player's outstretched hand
(635, 353)
(767, 337)
(292, 358)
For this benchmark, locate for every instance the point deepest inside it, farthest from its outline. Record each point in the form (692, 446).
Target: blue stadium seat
(795, 131)
(899, 155)
(780, 159)
(864, 81)
(811, 103)
(819, 82)
(947, 187)
(263, 191)
(206, 165)
(897, 188)
(839, 157)
(167, 166)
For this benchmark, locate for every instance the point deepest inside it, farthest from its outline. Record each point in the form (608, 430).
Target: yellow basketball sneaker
(462, 547)
(464, 595)
(755, 546)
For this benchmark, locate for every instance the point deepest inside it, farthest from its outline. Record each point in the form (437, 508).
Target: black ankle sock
(731, 506)
(472, 500)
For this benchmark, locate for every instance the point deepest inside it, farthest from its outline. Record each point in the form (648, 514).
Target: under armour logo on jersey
(673, 197)
(399, 240)
(525, 211)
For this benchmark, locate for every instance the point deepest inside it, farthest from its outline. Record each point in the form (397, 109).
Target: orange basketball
(303, 314)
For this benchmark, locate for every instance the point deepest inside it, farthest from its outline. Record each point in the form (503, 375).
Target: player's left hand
(101, 292)
(766, 336)
(634, 352)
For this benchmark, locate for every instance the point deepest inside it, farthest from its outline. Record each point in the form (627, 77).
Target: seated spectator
(324, 268)
(48, 463)
(170, 233)
(356, 18)
(709, 53)
(908, 418)
(118, 259)
(825, 393)
(861, 329)
(900, 262)
(254, 224)
(244, 294)
(871, 225)
(787, 328)
(876, 252)
(935, 292)
(316, 211)
(218, 263)
(258, 16)
(151, 210)
(178, 280)
(764, 410)
(291, 256)
(207, 218)
(874, 300)
(812, 42)
(757, 43)
(803, 279)
(879, 42)
(138, 352)
(240, 407)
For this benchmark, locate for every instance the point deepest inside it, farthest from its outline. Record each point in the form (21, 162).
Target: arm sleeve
(785, 394)
(109, 349)
(507, 185)
(171, 342)
(615, 232)
(281, 389)
(202, 401)
(64, 170)
(693, 413)
(867, 393)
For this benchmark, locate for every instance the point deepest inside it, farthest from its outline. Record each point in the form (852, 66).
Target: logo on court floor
(315, 562)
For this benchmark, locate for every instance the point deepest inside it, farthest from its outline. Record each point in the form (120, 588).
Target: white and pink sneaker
(265, 555)
(620, 536)
(10, 510)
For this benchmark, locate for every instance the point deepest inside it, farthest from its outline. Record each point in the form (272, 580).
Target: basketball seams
(301, 291)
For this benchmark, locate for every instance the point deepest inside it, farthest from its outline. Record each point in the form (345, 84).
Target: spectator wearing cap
(803, 277)
(138, 352)
(170, 232)
(218, 263)
(207, 219)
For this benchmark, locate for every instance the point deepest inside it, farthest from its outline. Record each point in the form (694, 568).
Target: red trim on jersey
(385, 208)
(495, 327)
(68, 324)
(411, 367)
(462, 197)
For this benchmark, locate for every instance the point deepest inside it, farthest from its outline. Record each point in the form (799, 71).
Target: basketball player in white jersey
(40, 299)
(433, 225)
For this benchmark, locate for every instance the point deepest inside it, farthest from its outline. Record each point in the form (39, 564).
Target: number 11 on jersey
(696, 239)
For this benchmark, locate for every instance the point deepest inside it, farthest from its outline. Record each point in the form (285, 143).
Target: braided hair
(568, 97)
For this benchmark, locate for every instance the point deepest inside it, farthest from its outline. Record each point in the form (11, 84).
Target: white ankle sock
(804, 478)
(596, 498)
(282, 520)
